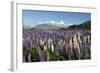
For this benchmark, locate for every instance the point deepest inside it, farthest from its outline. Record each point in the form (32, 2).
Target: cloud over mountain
(54, 23)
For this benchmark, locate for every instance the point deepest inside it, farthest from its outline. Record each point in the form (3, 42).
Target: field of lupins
(39, 46)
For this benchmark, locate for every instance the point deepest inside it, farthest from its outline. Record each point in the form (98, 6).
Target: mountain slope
(48, 26)
(85, 26)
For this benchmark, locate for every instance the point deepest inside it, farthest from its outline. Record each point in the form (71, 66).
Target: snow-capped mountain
(54, 23)
(50, 25)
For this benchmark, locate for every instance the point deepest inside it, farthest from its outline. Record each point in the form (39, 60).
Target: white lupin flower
(49, 41)
(76, 44)
(41, 42)
(52, 47)
(29, 57)
(60, 41)
(45, 47)
(79, 39)
(70, 42)
(75, 41)
(85, 39)
(88, 39)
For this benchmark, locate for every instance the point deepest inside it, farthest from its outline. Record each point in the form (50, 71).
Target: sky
(34, 17)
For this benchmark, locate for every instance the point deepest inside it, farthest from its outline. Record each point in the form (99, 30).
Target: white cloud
(52, 22)
(70, 23)
(61, 22)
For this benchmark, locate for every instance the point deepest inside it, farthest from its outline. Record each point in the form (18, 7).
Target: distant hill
(54, 27)
(46, 27)
(85, 26)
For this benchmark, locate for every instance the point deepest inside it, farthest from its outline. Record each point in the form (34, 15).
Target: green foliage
(26, 52)
(34, 55)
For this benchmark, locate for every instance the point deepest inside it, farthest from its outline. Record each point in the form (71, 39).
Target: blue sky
(31, 17)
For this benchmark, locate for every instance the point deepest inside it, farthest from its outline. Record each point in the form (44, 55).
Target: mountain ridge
(49, 26)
